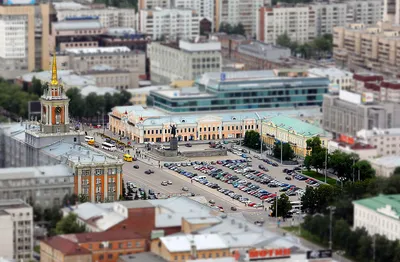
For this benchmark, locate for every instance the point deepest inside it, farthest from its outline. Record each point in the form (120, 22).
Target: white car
(169, 182)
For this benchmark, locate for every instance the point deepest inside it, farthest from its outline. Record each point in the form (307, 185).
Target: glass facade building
(246, 90)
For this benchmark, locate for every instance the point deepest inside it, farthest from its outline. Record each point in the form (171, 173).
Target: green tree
(287, 151)
(396, 171)
(364, 169)
(284, 206)
(15, 100)
(69, 225)
(284, 40)
(37, 213)
(76, 104)
(239, 29)
(82, 198)
(252, 139)
(37, 87)
(341, 232)
(342, 164)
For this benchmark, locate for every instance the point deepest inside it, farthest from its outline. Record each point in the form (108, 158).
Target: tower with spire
(54, 105)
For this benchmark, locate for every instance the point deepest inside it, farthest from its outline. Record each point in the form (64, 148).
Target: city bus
(108, 146)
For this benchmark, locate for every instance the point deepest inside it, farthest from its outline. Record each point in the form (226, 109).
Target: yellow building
(293, 131)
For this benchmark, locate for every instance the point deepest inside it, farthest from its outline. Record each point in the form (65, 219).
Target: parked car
(185, 189)
(164, 183)
(136, 167)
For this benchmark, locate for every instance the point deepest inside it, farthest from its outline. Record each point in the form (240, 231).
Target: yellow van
(127, 158)
(91, 142)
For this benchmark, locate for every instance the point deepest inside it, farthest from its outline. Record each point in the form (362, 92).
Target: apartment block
(170, 23)
(328, 16)
(346, 113)
(108, 16)
(44, 185)
(366, 12)
(24, 31)
(298, 22)
(373, 48)
(185, 60)
(16, 226)
(386, 141)
(151, 4)
(382, 90)
(238, 11)
(339, 79)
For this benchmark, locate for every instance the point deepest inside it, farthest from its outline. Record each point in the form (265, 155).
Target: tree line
(320, 47)
(229, 29)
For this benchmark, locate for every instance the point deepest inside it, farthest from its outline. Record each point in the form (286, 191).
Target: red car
(251, 204)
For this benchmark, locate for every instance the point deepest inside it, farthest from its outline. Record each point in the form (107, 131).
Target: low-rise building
(185, 60)
(124, 36)
(364, 151)
(378, 215)
(151, 125)
(293, 131)
(139, 95)
(172, 24)
(339, 79)
(347, 113)
(88, 247)
(43, 185)
(16, 227)
(385, 166)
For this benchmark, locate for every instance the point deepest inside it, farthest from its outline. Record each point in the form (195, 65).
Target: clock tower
(54, 105)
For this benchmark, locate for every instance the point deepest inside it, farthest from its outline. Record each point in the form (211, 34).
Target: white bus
(108, 146)
(296, 205)
(88, 138)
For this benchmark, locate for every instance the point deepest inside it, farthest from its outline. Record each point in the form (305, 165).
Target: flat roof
(381, 201)
(141, 257)
(147, 89)
(69, 6)
(185, 92)
(12, 203)
(67, 77)
(86, 90)
(330, 71)
(35, 172)
(203, 220)
(387, 161)
(140, 110)
(98, 50)
(182, 243)
(77, 24)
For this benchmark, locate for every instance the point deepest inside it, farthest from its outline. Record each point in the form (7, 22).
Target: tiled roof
(65, 246)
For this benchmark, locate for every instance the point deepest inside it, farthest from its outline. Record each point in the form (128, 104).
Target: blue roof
(297, 125)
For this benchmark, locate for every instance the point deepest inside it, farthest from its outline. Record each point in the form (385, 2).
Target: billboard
(319, 254)
(19, 2)
(346, 139)
(367, 97)
(350, 97)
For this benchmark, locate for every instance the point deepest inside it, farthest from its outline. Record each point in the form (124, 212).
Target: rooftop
(182, 243)
(69, 6)
(188, 92)
(203, 220)
(264, 51)
(66, 247)
(68, 78)
(98, 50)
(79, 154)
(387, 161)
(97, 90)
(35, 172)
(141, 257)
(113, 235)
(77, 24)
(12, 203)
(330, 72)
(381, 202)
(378, 132)
(147, 89)
(298, 126)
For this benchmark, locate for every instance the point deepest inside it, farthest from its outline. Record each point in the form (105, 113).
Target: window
(129, 244)
(138, 244)
(120, 245)
(101, 246)
(110, 256)
(101, 257)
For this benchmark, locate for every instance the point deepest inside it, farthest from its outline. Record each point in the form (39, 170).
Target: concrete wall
(205, 153)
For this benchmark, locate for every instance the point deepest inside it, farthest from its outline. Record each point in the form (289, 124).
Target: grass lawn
(320, 177)
(304, 234)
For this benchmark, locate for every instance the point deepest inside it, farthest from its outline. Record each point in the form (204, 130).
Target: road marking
(148, 183)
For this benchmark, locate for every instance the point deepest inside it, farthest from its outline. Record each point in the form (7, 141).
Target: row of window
(110, 171)
(205, 129)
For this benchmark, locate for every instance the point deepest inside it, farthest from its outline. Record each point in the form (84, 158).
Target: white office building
(379, 215)
(339, 79)
(205, 8)
(238, 11)
(328, 16)
(386, 141)
(366, 11)
(151, 4)
(108, 17)
(171, 24)
(16, 227)
(184, 61)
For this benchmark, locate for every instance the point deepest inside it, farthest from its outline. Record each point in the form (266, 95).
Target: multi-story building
(367, 12)
(139, 95)
(375, 48)
(383, 90)
(185, 60)
(151, 4)
(339, 79)
(97, 175)
(118, 58)
(75, 33)
(172, 24)
(328, 16)
(150, 125)
(88, 247)
(280, 88)
(348, 113)
(108, 16)
(124, 36)
(44, 185)
(378, 215)
(258, 55)
(16, 226)
(238, 11)
(386, 165)
(205, 8)
(24, 31)
(386, 141)
(229, 43)
(293, 131)
(298, 22)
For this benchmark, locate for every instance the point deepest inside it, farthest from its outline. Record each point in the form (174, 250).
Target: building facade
(170, 23)
(346, 114)
(378, 215)
(16, 230)
(280, 88)
(24, 39)
(383, 90)
(185, 60)
(339, 79)
(386, 141)
(45, 186)
(293, 131)
(367, 12)
(372, 48)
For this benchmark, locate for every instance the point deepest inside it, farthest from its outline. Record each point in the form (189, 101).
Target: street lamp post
(326, 162)
(276, 209)
(261, 137)
(331, 209)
